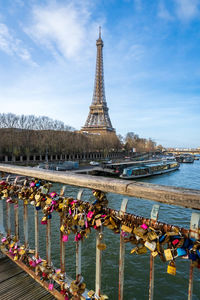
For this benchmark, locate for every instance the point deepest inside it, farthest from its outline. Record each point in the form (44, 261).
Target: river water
(136, 280)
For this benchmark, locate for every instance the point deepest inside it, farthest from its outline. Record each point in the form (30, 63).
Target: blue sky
(151, 63)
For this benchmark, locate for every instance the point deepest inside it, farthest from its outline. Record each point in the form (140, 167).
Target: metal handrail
(188, 198)
(169, 195)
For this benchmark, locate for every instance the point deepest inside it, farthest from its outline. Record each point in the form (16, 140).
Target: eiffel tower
(98, 120)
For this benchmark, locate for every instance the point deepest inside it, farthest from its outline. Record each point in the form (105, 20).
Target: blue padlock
(161, 238)
(198, 252)
(192, 256)
(181, 252)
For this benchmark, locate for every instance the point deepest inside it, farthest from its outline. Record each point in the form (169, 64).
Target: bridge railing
(129, 226)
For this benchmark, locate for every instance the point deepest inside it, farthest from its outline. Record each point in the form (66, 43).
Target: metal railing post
(62, 248)
(48, 242)
(62, 243)
(194, 233)
(98, 264)
(16, 210)
(154, 217)
(78, 257)
(79, 243)
(36, 234)
(8, 218)
(25, 225)
(2, 229)
(121, 254)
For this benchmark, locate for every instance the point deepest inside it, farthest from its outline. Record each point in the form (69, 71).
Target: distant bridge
(193, 151)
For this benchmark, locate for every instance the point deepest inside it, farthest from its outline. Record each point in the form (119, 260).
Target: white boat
(185, 158)
(94, 163)
(151, 169)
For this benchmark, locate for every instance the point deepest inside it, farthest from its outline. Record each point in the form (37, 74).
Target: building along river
(136, 280)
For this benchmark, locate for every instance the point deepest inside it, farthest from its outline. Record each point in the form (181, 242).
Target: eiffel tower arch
(98, 120)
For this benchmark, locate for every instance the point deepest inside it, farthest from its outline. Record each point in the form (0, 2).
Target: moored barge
(151, 169)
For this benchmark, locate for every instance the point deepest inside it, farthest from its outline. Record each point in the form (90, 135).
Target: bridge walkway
(16, 284)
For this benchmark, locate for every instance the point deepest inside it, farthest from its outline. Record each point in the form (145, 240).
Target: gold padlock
(171, 268)
(168, 254)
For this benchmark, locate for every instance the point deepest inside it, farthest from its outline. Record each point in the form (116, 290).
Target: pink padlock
(74, 201)
(44, 222)
(3, 240)
(175, 242)
(53, 194)
(51, 210)
(32, 263)
(65, 238)
(86, 224)
(124, 234)
(11, 252)
(9, 200)
(32, 184)
(50, 287)
(90, 214)
(79, 236)
(76, 238)
(38, 261)
(144, 226)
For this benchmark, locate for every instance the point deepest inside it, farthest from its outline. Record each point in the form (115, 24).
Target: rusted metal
(62, 244)
(36, 233)
(78, 257)
(194, 233)
(151, 278)
(62, 191)
(2, 229)
(154, 218)
(16, 211)
(78, 243)
(194, 225)
(80, 194)
(25, 225)
(62, 248)
(122, 253)
(48, 241)
(8, 218)
(190, 288)
(139, 220)
(98, 264)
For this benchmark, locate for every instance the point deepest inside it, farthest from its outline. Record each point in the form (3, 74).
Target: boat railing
(188, 198)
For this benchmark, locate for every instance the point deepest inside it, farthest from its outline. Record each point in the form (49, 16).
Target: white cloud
(64, 29)
(13, 46)
(187, 9)
(163, 13)
(136, 52)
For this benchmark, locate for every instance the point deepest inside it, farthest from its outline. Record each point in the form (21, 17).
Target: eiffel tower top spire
(99, 32)
(98, 119)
